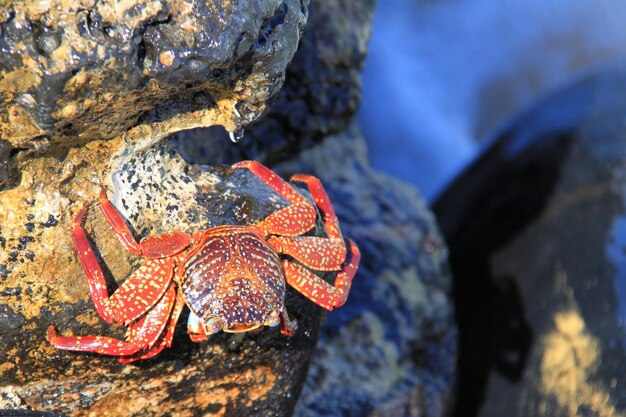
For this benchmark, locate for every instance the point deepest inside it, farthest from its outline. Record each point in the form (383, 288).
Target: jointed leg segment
(319, 291)
(153, 247)
(147, 301)
(293, 220)
(143, 336)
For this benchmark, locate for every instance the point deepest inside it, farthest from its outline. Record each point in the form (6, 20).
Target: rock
(27, 413)
(536, 237)
(391, 350)
(80, 72)
(258, 374)
(374, 357)
(157, 186)
(99, 117)
(320, 97)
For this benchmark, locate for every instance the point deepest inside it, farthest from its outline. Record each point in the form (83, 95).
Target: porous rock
(320, 97)
(89, 90)
(391, 350)
(403, 262)
(259, 374)
(73, 72)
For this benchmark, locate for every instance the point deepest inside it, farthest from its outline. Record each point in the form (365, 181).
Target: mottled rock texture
(400, 307)
(391, 349)
(77, 71)
(88, 91)
(321, 94)
(225, 376)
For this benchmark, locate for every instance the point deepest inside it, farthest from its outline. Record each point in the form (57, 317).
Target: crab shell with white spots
(233, 281)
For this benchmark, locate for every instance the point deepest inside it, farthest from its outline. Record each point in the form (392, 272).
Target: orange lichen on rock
(210, 397)
(570, 359)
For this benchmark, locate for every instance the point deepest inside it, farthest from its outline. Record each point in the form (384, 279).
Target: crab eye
(273, 319)
(213, 325)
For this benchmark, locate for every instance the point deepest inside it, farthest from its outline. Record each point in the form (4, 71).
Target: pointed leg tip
(286, 332)
(305, 178)
(247, 164)
(78, 220)
(242, 164)
(356, 253)
(51, 334)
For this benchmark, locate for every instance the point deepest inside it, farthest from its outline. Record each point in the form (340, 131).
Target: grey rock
(320, 97)
(394, 341)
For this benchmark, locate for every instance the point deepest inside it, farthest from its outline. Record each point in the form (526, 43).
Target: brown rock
(225, 376)
(118, 142)
(73, 72)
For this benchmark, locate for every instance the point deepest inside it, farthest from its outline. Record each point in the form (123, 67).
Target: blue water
(442, 76)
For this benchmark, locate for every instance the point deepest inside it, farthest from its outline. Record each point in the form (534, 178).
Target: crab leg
(293, 220)
(322, 254)
(165, 340)
(135, 296)
(152, 247)
(143, 334)
(98, 344)
(318, 290)
(317, 253)
(331, 224)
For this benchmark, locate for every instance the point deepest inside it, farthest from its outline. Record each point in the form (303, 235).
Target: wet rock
(374, 356)
(401, 306)
(228, 375)
(88, 98)
(76, 72)
(536, 239)
(320, 97)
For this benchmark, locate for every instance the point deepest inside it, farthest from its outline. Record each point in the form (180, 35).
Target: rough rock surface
(88, 92)
(320, 97)
(73, 72)
(391, 350)
(536, 234)
(46, 180)
(260, 373)
(375, 357)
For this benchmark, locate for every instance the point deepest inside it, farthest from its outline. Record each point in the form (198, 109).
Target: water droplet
(236, 136)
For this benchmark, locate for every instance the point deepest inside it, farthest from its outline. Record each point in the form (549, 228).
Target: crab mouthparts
(240, 328)
(215, 324)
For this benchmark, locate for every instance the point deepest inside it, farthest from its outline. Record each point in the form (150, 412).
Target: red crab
(231, 277)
